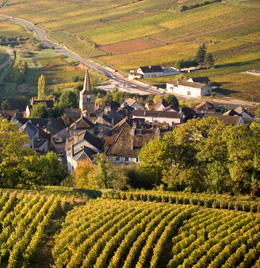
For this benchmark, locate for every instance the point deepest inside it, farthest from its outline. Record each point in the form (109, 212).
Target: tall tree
(41, 87)
(209, 60)
(11, 152)
(201, 53)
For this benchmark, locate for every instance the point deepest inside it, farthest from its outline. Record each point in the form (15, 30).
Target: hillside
(124, 34)
(39, 230)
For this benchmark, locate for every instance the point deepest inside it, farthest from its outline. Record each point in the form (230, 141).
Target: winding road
(117, 78)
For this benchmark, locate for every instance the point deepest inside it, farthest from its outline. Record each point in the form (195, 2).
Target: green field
(61, 227)
(230, 29)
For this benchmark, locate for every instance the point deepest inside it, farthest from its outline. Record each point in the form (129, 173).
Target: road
(65, 51)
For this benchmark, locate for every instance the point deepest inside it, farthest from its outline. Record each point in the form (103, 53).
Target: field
(145, 234)
(129, 46)
(24, 220)
(162, 229)
(230, 29)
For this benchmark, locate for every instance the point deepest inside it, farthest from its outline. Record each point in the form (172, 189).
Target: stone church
(87, 98)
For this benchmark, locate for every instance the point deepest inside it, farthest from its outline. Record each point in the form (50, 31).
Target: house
(187, 113)
(49, 104)
(32, 133)
(161, 105)
(205, 107)
(129, 143)
(152, 71)
(171, 118)
(84, 148)
(188, 89)
(229, 120)
(133, 104)
(243, 112)
(203, 80)
(81, 124)
(55, 127)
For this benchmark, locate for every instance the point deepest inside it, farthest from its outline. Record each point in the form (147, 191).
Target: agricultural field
(99, 30)
(23, 221)
(138, 229)
(108, 233)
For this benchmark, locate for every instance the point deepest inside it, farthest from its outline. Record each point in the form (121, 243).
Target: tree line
(206, 155)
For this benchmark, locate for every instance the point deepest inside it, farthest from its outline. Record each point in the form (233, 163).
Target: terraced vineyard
(23, 220)
(118, 233)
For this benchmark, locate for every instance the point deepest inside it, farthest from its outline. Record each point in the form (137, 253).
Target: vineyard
(23, 220)
(144, 230)
(119, 233)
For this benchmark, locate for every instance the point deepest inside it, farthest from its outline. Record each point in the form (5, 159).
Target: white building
(171, 118)
(152, 71)
(188, 89)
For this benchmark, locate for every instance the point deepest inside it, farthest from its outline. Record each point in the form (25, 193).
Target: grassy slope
(230, 29)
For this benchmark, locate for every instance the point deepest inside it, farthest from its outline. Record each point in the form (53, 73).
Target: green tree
(154, 158)
(240, 157)
(69, 99)
(5, 105)
(201, 53)
(39, 110)
(157, 98)
(209, 60)
(57, 110)
(12, 151)
(41, 87)
(84, 175)
(172, 100)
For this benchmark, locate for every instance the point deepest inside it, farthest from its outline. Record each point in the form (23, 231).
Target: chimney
(133, 128)
(101, 133)
(157, 131)
(72, 149)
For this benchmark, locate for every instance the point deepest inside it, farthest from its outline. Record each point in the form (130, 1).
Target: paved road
(64, 51)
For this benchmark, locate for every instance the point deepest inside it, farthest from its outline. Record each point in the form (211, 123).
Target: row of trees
(206, 155)
(20, 167)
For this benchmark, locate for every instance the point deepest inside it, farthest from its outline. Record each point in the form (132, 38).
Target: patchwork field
(102, 29)
(129, 46)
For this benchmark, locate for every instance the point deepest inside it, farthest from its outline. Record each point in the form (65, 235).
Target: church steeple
(87, 86)
(87, 98)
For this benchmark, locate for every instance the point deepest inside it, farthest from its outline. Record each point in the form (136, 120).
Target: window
(126, 159)
(117, 158)
(136, 160)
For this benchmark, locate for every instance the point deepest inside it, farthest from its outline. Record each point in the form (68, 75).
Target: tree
(240, 157)
(57, 110)
(69, 99)
(154, 158)
(157, 98)
(209, 61)
(12, 151)
(201, 53)
(41, 87)
(39, 110)
(84, 175)
(5, 105)
(172, 100)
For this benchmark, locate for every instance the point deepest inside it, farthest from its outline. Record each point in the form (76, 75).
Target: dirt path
(10, 52)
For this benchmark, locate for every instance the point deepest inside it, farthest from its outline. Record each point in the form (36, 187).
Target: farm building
(188, 89)
(152, 71)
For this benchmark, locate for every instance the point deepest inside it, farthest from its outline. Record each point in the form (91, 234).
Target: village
(119, 130)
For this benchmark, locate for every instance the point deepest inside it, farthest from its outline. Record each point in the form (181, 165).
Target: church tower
(86, 98)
